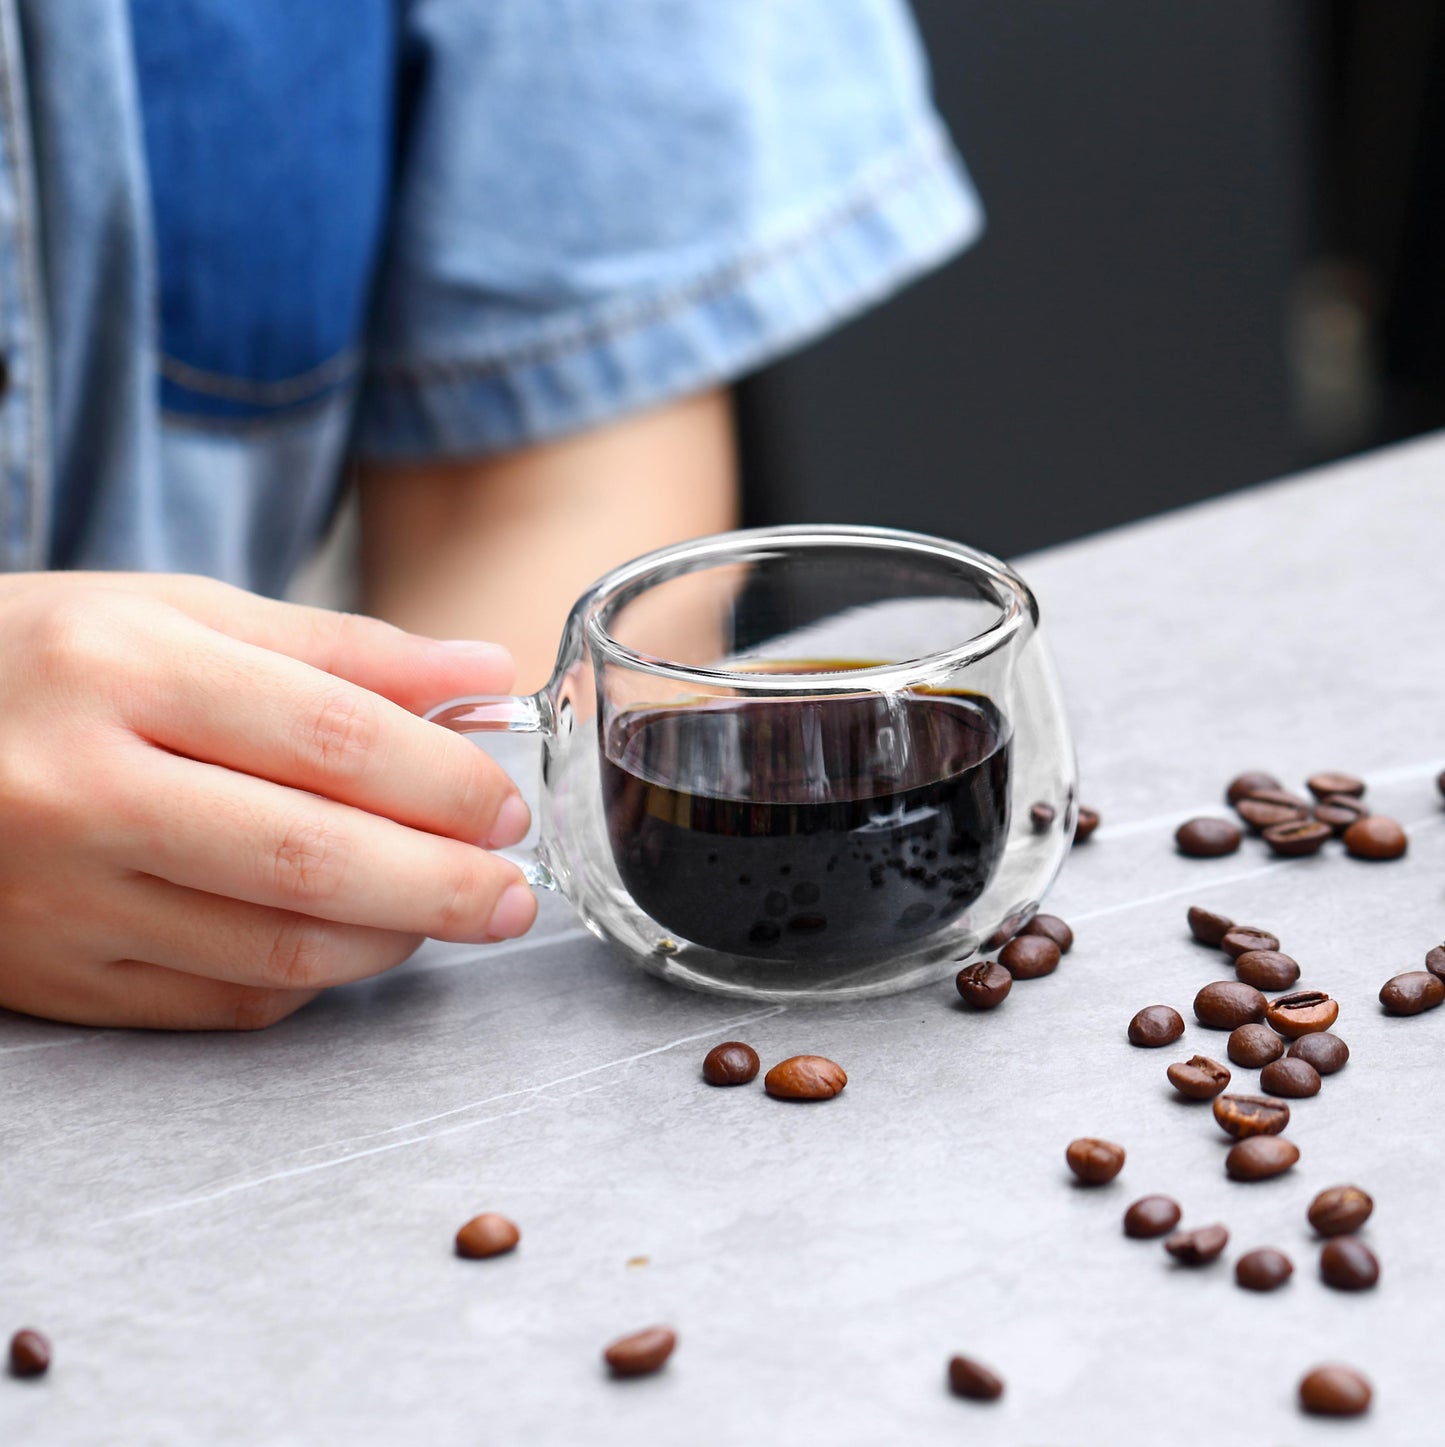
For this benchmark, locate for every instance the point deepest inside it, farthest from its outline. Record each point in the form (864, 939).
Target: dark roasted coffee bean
(1260, 1157)
(1326, 1052)
(1347, 1264)
(1207, 927)
(1253, 1046)
(1151, 1216)
(1228, 1004)
(1087, 822)
(1294, 1078)
(1323, 785)
(731, 1063)
(1266, 969)
(1412, 993)
(1027, 957)
(1207, 838)
(1249, 783)
(971, 1379)
(29, 1354)
(1376, 837)
(1267, 807)
(1156, 1025)
(1041, 816)
(1094, 1162)
(487, 1235)
(1243, 938)
(1334, 1391)
(984, 985)
(1197, 1247)
(641, 1353)
(1051, 927)
(1011, 925)
(1340, 1211)
(1242, 1116)
(1263, 1269)
(805, 1077)
(1198, 1078)
(1302, 1013)
(1435, 961)
(1297, 838)
(1339, 812)
(1440, 782)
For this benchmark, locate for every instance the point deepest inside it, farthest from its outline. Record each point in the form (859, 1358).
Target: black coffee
(808, 829)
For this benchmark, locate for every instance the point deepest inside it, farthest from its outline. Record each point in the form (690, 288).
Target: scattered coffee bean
(1242, 1116)
(1094, 1162)
(1347, 1264)
(1263, 1269)
(984, 985)
(1157, 1025)
(1269, 807)
(731, 1063)
(1151, 1216)
(1243, 938)
(1435, 961)
(1323, 785)
(1207, 838)
(1247, 783)
(1291, 1077)
(805, 1077)
(1228, 1004)
(1207, 927)
(1197, 1247)
(1266, 969)
(1339, 812)
(1028, 957)
(1041, 816)
(1412, 993)
(1198, 1078)
(1051, 927)
(1260, 1157)
(487, 1235)
(29, 1354)
(971, 1379)
(1085, 825)
(1376, 837)
(1326, 1052)
(1340, 1211)
(1440, 782)
(1011, 925)
(1253, 1046)
(641, 1353)
(1334, 1391)
(1302, 1013)
(1297, 838)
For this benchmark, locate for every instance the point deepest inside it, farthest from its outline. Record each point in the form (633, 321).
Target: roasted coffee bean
(1347, 1264)
(1207, 838)
(1412, 993)
(487, 1235)
(1051, 927)
(1085, 825)
(1435, 961)
(1027, 957)
(1376, 837)
(971, 1379)
(1297, 838)
(1323, 785)
(1334, 1391)
(1197, 1247)
(1266, 969)
(29, 1354)
(1156, 1025)
(1267, 807)
(984, 985)
(641, 1353)
(1248, 783)
(1326, 1052)
(1242, 938)
(1293, 1078)
(1094, 1162)
(1260, 1157)
(1011, 925)
(1253, 1046)
(1242, 1116)
(1263, 1269)
(805, 1077)
(1339, 812)
(1340, 1211)
(1228, 1004)
(1302, 1013)
(1207, 927)
(732, 1063)
(1440, 782)
(1198, 1078)
(1041, 816)
(1151, 1216)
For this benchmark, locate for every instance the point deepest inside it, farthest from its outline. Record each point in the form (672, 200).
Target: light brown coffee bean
(1326, 1052)
(1294, 1078)
(1340, 1211)
(1197, 1247)
(1151, 1216)
(1242, 1116)
(1029, 957)
(731, 1063)
(1207, 838)
(1198, 1078)
(984, 985)
(1095, 1162)
(1253, 1046)
(1302, 1013)
(29, 1354)
(487, 1235)
(1085, 825)
(1376, 837)
(642, 1353)
(1228, 1004)
(1412, 993)
(1156, 1025)
(1243, 938)
(1347, 1264)
(1297, 838)
(1266, 969)
(1052, 928)
(1339, 812)
(1334, 1390)
(805, 1077)
(971, 1379)
(1325, 784)
(1268, 807)
(1260, 1157)
(1247, 783)
(1263, 1269)
(1208, 928)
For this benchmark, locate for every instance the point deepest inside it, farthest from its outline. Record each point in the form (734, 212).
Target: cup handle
(503, 713)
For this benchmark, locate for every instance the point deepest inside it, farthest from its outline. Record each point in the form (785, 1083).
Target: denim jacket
(245, 241)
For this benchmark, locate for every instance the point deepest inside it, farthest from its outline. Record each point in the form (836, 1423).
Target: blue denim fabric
(244, 240)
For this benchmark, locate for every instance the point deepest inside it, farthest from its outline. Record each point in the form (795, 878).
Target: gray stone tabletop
(247, 1239)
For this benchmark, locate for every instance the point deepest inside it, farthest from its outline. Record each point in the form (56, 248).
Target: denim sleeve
(602, 206)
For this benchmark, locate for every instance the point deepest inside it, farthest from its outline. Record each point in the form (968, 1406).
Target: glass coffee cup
(799, 763)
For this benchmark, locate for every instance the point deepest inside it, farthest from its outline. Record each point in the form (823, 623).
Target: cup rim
(1019, 603)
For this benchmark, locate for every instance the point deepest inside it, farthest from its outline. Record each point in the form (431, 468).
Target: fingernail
(510, 826)
(514, 913)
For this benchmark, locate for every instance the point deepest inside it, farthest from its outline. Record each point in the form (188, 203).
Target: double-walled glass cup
(808, 762)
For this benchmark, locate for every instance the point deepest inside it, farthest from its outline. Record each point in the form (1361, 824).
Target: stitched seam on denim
(633, 317)
(280, 393)
(222, 427)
